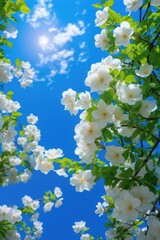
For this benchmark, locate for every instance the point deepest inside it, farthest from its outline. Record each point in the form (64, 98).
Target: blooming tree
(117, 136)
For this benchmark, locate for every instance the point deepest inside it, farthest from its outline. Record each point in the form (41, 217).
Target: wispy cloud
(56, 51)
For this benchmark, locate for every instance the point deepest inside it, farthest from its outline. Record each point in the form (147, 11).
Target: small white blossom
(122, 34)
(69, 101)
(79, 226)
(155, 3)
(126, 207)
(101, 17)
(132, 5)
(54, 153)
(99, 81)
(99, 209)
(58, 192)
(61, 172)
(114, 154)
(144, 71)
(147, 107)
(104, 113)
(48, 206)
(154, 226)
(85, 236)
(83, 180)
(32, 119)
(145, 196)
(102, 40)
(129, 94)
(58, 203)
(5, 72)
(84, 101)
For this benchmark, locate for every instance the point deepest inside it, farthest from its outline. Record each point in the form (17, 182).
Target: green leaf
(126, 173)
(130, 79)
(16, 114)
(107, 134)
(97, 5)
(138, 165)
(109, 3)
(135, 134)
(24, 9)
(107, 96)
(18, 62)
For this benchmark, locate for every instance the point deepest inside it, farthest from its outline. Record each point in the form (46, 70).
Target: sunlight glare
(43, 41)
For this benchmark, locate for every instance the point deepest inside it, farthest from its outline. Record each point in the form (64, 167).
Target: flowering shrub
(121, 126)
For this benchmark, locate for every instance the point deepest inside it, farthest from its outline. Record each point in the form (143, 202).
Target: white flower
(113, 63)
(69, 101)
(155, 3)
(83, 180)
(61, 172)
(100, 209)
(10, 134)
(26, 65)
(85, 151)
(126, 207)
(126, 131)
(145, 196)
(122, 34)
(110, 234)
(104, 113)
(99, 81)
(88, 131)
(79, 226)
(58, 203)
(84, 101)
(32, 119)
(154, 226)
(48, 206)
(129, 94)
(13, 175)
(34, 217)
(114, 154)
(58, 192)
(5, 213)
(12, 235)
(43, 165)
(25, 176)
(101, 17)
(144, 71)
(119, 116)
(5, 72)
(132, 5)
(10, 32)
(102, 40)
(15, 161)
(27, 200)
(147, 107)
(32, 131)
(54, 153)
(85, 236)
(38, 225)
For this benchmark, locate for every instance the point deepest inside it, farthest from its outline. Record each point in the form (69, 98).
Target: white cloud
(82, 57)
(56, 53)
(66, 35)
(84, 12)
(42, 12)
(82, 45)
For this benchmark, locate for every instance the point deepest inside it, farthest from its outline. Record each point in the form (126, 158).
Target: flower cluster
(120, 126)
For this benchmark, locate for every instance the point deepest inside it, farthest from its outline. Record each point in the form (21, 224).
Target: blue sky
(62, 63)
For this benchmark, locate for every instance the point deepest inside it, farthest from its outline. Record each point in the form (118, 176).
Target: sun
(43, 41)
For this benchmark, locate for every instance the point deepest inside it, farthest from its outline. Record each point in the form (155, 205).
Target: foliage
(118, 134)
